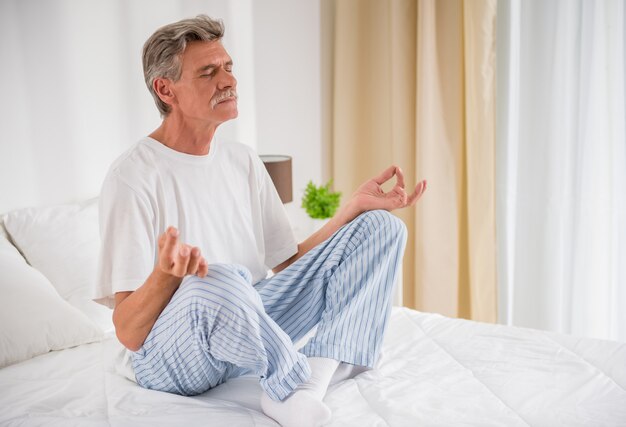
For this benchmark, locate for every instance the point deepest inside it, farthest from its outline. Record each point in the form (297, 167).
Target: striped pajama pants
(222, 326)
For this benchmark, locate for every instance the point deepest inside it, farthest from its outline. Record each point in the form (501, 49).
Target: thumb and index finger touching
(388, 173)
(392, 170)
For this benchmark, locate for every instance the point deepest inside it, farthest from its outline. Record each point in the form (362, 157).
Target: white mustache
(230, 93)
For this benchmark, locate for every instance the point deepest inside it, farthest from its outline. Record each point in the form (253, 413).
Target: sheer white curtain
(561, 166)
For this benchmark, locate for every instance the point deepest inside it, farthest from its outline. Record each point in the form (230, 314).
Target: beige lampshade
(279, 168)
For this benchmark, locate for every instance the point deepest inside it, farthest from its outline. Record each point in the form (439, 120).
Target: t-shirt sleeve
(128, 240)
(278, 238)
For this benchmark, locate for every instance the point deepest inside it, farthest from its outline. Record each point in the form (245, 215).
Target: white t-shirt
(224, 202)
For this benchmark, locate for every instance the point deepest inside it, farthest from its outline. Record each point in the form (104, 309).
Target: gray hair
(163, 50)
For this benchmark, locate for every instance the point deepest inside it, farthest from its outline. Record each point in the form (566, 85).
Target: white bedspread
(434, 371)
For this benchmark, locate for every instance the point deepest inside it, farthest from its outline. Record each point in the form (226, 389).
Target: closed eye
(211, 70)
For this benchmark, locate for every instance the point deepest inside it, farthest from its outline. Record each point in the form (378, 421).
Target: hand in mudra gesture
(179, 259)
(371, 196)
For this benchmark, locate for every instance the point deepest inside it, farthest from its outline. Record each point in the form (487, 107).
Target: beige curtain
(413, 84)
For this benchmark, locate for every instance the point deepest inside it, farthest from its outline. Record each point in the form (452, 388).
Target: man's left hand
(370, 195)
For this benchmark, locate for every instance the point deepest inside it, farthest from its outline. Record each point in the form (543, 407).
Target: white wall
(74, 96)
(288, 90)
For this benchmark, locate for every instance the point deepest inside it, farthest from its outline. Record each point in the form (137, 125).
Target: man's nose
(226, 79)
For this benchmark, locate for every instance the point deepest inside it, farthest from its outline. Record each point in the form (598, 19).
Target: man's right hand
(136, 312)
(179, 259)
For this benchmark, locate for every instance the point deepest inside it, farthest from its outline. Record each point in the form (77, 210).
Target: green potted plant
(320, 202)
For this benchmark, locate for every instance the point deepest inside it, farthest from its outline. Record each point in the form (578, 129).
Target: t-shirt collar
(179, 156)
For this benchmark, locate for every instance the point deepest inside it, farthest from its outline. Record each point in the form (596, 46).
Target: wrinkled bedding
(434, 371)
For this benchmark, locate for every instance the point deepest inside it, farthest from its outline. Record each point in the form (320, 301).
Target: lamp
(279, 169)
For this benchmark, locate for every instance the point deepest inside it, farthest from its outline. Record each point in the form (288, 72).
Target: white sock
(304, 407)
(322, 370)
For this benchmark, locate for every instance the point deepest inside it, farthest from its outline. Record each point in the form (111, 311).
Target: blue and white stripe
(222, 325)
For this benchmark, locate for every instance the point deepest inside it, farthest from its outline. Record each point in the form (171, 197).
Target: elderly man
(190, 226)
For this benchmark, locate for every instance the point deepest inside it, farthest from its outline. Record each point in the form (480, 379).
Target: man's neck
(182, 136)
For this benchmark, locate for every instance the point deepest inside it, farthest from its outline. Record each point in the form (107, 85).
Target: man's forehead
(200, 53)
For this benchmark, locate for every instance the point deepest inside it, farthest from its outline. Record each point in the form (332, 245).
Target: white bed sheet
(434, 371)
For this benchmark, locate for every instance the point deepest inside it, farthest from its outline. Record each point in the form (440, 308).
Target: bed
(63, 366)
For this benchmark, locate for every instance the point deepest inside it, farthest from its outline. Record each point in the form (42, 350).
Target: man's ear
(163, 88)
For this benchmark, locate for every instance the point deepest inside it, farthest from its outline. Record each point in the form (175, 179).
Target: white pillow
(34, 319)
(62, 242)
